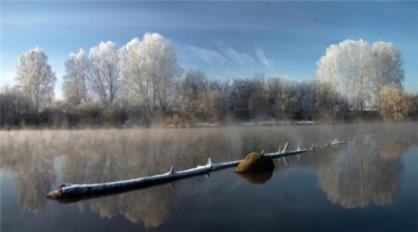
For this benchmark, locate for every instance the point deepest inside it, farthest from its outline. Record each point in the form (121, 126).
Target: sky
(226, 40)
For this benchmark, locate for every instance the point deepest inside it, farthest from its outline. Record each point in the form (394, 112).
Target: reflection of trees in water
(151, 206)
(34, 174)
(138, 153)
(103, 155)
(368, 170)
(33, 182)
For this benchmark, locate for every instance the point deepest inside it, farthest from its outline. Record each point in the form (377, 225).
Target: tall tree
(358, 70)
(148, 68)
(104, 78)
(35, 77)
(75, 79)
(389, 64)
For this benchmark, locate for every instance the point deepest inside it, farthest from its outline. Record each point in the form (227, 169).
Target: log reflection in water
(257, 177)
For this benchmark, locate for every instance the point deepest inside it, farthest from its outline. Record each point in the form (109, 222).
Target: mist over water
(370, 183)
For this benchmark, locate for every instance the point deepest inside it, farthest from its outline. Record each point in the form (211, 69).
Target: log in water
(75, 192)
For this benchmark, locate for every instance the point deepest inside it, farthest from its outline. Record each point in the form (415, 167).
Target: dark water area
(370, 184)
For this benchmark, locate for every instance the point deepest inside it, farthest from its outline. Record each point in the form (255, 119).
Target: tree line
(142, 83)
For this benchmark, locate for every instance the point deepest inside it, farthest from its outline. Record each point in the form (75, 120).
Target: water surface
(368, 185)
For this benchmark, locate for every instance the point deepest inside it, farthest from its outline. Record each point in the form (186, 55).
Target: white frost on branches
(148, 69)
(75, 79)
(358, 70)
(35, 77)
(104, 78)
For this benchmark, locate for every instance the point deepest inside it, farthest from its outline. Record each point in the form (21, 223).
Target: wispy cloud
(235, 56)
(208, 55)
(261, 55)
(226, 61)
(228, 56)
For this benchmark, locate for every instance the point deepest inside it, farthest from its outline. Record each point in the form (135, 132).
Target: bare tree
(193, 89)
(247, 98)
(274, 94)
(15, 108)
(75, 79)
(35, 78)
(104, 78)
(200, 98)
(327, 102)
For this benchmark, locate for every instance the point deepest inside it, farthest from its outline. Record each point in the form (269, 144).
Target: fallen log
(68, 193)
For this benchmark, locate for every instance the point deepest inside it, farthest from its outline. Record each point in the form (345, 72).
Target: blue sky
(224, 39)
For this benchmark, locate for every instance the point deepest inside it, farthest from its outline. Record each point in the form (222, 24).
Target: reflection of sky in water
(369, 184)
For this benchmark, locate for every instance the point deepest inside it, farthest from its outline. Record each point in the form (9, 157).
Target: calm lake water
(370, 184)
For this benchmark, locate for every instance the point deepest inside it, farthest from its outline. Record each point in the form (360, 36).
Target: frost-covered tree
(358, 70)
(389, 64)
(75, 79)
(35, 78)
(104, 70)
(149, 68)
